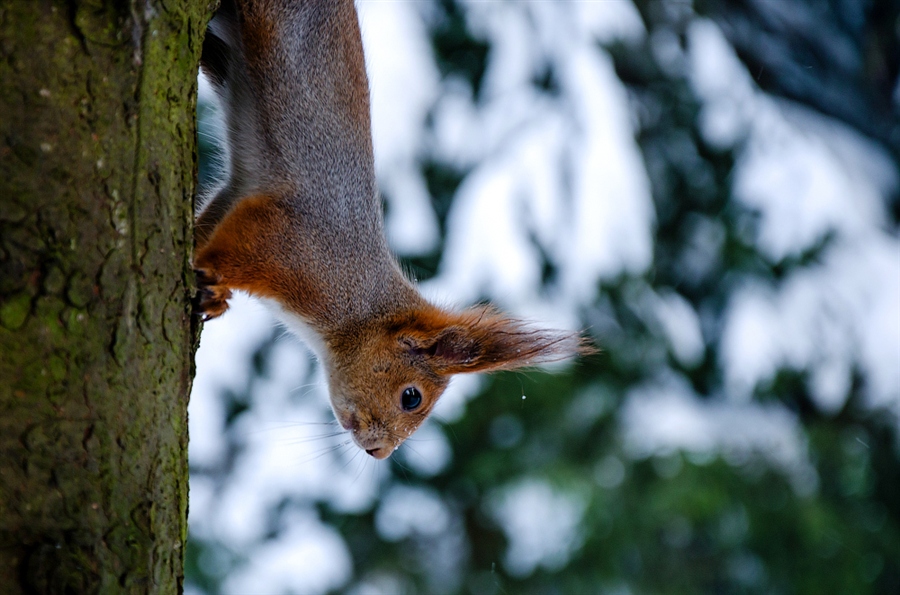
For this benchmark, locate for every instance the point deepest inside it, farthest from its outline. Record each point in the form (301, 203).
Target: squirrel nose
(378, 453)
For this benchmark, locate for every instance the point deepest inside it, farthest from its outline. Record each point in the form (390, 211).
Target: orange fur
(250, 251)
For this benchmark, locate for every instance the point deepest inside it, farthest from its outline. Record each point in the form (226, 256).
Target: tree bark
(97, 174)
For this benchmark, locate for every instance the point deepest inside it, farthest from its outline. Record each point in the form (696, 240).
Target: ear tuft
(482, 339)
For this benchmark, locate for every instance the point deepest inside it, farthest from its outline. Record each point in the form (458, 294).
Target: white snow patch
(679, 323)
(487, 251)
(452, 404)
(306, 557)
(403, 81)
(721, 81)
(405, 511)
(612, 218)
(825, 319)
(223, 363)
(541, 524)
(809, 179)
(427, 452)
(667, 417)
(805, 184)
(518, 201)
(610, 21)
(805, 174)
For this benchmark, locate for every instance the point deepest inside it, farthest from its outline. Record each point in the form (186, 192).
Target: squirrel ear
(450, 348)
(482, 340)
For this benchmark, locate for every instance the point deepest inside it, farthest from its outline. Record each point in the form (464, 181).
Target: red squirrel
(298, 223)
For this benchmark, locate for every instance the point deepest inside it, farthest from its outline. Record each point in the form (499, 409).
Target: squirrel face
(385, 376)
(382, 390)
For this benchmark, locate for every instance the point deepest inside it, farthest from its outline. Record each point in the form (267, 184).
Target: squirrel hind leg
(212, 297)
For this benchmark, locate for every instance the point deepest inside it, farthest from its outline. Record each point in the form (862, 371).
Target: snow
(827, 319)
(405, 511)
(427, 452)
(804, 186)
(809, 179)
(403, 85)
(307, 557)
(452, 404)
(541, 524)
(224, 341)
(806, 176)
(520, 143)
(723, 84)
(666, 416)
(613, 212)
(681, 327)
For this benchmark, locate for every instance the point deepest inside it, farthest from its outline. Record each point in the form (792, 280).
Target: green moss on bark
(97, 168)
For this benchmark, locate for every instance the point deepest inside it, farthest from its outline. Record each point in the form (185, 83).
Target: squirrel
(298, 224)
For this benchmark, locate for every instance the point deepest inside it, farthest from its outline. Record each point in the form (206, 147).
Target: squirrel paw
(212, 297)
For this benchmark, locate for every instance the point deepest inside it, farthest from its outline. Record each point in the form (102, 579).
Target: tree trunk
(97, 173)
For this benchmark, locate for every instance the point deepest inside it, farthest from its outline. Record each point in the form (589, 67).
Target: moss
(14, 312)
(47, 312)
(79, 290)
(75, 321)
(57, 368)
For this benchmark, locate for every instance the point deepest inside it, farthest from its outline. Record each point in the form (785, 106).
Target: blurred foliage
(839, 56)
(679, 523)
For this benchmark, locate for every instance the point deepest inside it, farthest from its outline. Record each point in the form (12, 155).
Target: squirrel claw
(211, 300)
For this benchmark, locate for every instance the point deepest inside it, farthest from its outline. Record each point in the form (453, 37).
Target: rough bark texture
(97, 162)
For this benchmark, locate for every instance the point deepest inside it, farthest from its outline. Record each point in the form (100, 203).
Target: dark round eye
(411, 399)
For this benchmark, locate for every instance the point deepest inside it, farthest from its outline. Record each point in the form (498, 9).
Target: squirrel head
(386, 375)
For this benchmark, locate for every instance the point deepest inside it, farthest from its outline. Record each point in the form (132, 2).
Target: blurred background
(710, 188)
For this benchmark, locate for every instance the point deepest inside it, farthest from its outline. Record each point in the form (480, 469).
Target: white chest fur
(300, 328)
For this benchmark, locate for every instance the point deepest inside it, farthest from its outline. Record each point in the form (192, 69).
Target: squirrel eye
(411, 399)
